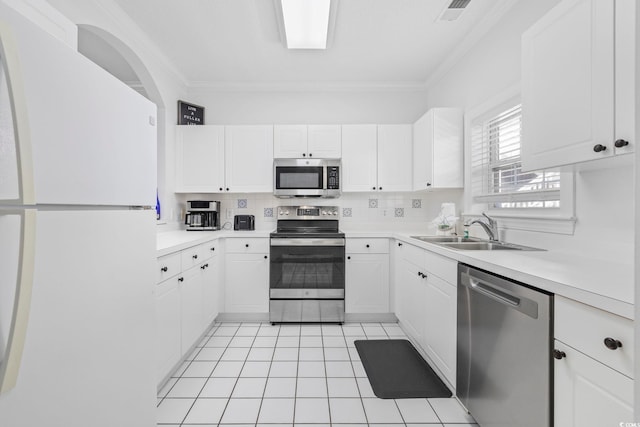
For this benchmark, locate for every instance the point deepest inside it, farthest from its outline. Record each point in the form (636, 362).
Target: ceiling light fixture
(306, 23)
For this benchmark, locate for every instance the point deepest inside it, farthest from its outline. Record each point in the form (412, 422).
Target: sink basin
(488, 246)
(446, 239)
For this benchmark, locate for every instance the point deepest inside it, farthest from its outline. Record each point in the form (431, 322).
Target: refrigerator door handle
(10, 63)
(10, 364)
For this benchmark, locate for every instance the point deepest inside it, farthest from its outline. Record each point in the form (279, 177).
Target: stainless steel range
(307, 266)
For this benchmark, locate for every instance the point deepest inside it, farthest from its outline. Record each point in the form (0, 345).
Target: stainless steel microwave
(306, 177)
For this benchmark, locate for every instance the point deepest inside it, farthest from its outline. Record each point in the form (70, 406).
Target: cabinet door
(325, 141)
(248, 155)
(367, 283)
(191, 307)
(199, 159)
(568, 85)
(246, 283)
(447, 160)
(440, 325)
(423, 152)
(210, 290)
(289, 141)
(395, 158)
(168, 330)
(588, 393)
(359, 158)
(411, 300)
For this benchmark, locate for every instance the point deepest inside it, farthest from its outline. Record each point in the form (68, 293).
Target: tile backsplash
(355, 208)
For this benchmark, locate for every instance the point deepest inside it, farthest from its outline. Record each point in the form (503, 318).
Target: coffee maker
(202, 215)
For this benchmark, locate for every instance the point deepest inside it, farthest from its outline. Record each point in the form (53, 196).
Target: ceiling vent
(454, 10)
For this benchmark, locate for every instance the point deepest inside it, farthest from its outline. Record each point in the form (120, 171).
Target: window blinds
(496, 168)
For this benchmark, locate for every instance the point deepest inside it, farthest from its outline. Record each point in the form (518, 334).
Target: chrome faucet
(491, 226)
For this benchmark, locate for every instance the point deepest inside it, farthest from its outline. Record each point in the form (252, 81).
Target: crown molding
(470, 41)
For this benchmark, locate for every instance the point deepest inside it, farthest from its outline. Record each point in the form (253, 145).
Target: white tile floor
(257, 374)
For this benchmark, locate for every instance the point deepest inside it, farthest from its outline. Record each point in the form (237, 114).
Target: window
(497, 178)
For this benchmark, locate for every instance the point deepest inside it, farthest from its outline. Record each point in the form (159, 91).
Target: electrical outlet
(230, 213)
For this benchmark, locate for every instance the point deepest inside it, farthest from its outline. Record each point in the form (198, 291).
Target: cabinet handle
(180, 279)
(310, 154)
(559, 354)
(428, 184)
(221, 188)
(367, 245)
(246, 246)
(373, 188)
(379, 188)
(621, 143)
(399, 244)
(164, 269)
(348, 257)
(420, 274)
(227, 189)
(265, 257)
(213, 249)
(195, 256)
(599, 147)
(203, 266)
(612, 343)
(304, 154)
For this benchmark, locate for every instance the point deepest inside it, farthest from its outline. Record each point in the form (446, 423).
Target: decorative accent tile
(268, 212)
(399, 213)
(373, 203)
(242, 203)
(347, 212)
(416, 203)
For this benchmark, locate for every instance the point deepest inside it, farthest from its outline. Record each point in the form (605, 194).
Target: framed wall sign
(189, 114)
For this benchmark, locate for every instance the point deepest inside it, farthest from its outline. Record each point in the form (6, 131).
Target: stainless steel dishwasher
(504, 350)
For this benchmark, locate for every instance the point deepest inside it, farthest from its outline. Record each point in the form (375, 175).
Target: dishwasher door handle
(494, 293)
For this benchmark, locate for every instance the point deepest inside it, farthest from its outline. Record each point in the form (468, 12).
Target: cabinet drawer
(444, 268)
(193, 256)
(413, 254)
(253, 245)
(168, 266)
(585, 328)
(367, 246)
(209, 249)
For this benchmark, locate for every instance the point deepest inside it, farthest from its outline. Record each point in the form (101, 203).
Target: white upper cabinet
(359, 158)
(298, 141)
(437, 149)
(376, 158)
(577, 70)
(84, 136)
(325, 141)
(200, 159)
(394, 157)
(248, 154)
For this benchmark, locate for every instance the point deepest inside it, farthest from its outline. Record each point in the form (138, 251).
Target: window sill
(556, 224)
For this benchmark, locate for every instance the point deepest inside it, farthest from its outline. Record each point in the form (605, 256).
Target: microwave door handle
(325, 172)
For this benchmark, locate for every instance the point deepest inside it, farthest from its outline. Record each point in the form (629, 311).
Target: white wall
(331, 106)
(604, 197)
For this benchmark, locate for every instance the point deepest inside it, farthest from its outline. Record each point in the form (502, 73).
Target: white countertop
(604, 284)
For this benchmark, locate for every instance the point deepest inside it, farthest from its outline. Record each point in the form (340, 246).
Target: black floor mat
(397, 371)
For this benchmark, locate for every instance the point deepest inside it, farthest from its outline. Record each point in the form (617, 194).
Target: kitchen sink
(488, 246)
(446, 239)
(472, 243)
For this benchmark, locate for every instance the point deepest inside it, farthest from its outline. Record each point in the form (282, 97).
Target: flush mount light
(306, 23)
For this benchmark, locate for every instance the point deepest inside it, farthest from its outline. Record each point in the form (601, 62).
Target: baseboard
(371, 318)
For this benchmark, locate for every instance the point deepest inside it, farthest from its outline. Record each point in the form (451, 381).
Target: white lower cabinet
(426, 304)
(367, 283)
(168, 330)
(589, 393)
(187, 301)
(247, 276)
(190, 307)
(593, 366)
(440, 327)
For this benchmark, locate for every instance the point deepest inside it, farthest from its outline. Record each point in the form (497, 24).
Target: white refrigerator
(77, 238)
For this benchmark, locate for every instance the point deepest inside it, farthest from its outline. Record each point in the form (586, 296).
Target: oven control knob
(286, 213)
(334, 213)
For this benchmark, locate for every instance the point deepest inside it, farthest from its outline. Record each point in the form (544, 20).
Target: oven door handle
(307, 242)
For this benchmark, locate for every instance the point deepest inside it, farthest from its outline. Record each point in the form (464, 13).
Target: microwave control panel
(333, 177)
